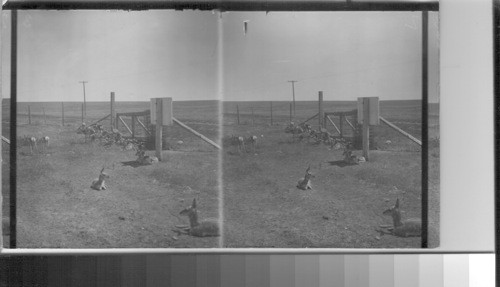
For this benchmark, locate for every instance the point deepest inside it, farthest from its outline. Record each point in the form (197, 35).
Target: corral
(56, 208)
(264, 208)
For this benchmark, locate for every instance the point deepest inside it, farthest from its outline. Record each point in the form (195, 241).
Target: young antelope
(407, 228)
(98, 183)
(252, 140)
(205, 228)
(305, 182)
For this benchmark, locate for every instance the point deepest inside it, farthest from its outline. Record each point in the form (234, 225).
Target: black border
(230, 5)
(13, 133)
(425, 129)
(224, 5)
(496, 93)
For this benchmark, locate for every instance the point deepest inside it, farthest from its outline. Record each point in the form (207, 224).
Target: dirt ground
(58, 209)
(261, 206)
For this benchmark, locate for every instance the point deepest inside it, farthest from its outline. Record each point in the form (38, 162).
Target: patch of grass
(189, 178)
(242, 171)
(37, 169)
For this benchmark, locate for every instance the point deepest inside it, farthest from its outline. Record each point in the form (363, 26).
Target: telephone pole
(84, 100)
(293, 94)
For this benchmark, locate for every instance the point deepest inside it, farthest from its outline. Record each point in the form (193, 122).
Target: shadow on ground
(340, 163)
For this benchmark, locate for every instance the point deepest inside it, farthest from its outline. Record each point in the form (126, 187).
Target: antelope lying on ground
(144, 159)
(205, 228)
(407, 228)
(98, 183)
(305, 182)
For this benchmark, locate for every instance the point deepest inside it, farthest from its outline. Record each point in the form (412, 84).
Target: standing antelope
(305, 182)
(88, 131)
(98, 183)
(29, 141)
(252, 140)
(44, 141)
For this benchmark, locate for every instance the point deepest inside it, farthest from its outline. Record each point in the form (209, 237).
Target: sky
(201, 55)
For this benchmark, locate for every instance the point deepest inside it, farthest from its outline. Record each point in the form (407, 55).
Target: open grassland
(58, 209)
(264, 208)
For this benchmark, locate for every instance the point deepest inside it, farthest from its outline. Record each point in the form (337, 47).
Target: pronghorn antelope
(252, 141)
(91, 132)
(237, 141)
(305, 182)
(29, 141)
(349, 158)
(144, 159)
(205, 228)
(407, 228)
(241, 144)
(87, 131)
(44, 141)
(293, 129)
(98, 183)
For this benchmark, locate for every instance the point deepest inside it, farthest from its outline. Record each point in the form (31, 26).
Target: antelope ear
(194, 203)
(102, 170)
(397, 203)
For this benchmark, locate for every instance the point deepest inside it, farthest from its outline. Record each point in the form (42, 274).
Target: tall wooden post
(133, 126)
(44, 118)
(238, 113)
(271, 113)
(321, 117)
(159, 129)
(366, 128)
(62, 106)
(29, 115)
(117, 121)
(112, 116)
(82, 113)
(291, 119)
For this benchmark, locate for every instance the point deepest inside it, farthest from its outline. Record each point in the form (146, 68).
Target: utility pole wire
(84, 100)
(293, 94)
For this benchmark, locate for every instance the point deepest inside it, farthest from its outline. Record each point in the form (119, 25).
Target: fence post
(366, 128)
(271, 113)
(117, 122)
(62, 105)
(112, 104)
(341, 121)
(253, 118)
(29, 115)
(321, 118)
(133, 126)
(158, 127)
(290, 112)
(238, 113)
